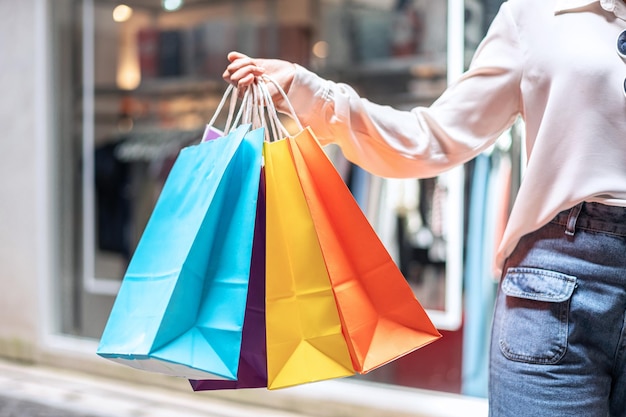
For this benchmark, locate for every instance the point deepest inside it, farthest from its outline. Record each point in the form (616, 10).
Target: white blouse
(552, 62)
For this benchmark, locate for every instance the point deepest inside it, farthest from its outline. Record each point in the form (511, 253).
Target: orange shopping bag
(381, 318)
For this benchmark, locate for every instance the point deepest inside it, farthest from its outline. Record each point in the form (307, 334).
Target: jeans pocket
(535, 321)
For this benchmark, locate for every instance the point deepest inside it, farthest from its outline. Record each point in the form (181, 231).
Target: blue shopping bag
(180, 309)
(253, 358)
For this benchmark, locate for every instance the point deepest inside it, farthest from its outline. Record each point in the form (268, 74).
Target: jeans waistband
(593, 216)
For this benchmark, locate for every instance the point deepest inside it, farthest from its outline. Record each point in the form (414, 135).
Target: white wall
(19, 187)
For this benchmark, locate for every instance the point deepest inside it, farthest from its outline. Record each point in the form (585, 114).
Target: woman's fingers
(234, 55)
(242, 70)
(242, 77)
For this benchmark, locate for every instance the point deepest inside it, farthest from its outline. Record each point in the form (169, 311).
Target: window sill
(330, 398)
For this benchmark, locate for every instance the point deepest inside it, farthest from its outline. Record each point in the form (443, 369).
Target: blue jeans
(558, 343)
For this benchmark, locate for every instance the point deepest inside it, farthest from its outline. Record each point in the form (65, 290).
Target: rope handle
(232, 120)
(292, 112)
(257, 108)
(267, 104)
(276, 124)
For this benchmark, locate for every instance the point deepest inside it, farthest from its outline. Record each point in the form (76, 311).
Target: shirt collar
(616, 6)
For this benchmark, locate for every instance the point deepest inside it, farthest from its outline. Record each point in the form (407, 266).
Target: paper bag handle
(292, 112)
(233, 93)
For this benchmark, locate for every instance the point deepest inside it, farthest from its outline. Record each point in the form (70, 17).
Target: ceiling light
(122, 13)
(171, 5)
(320, 49)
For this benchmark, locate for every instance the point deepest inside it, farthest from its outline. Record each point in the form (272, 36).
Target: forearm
(383, 140)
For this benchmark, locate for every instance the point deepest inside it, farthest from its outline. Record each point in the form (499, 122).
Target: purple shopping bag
(253, 360)
(211, 133)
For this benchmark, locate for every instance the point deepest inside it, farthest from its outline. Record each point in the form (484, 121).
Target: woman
(558, 345)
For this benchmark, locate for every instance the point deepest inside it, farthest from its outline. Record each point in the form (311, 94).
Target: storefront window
(136, 82)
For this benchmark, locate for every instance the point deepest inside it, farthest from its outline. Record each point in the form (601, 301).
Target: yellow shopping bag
(305, 342)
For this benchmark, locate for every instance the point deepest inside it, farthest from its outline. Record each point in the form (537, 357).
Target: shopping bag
(380, 316)
(304, 337)
(211, 132)
(252, 371)
(180, 308)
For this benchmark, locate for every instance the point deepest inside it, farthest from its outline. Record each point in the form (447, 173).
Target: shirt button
(621, 44)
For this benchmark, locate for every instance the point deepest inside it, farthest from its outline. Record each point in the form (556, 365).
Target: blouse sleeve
(424, 141)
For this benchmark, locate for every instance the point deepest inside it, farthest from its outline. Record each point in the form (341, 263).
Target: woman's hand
(243, 70)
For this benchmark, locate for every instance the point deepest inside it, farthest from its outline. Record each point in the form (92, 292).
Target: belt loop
(570, 229)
